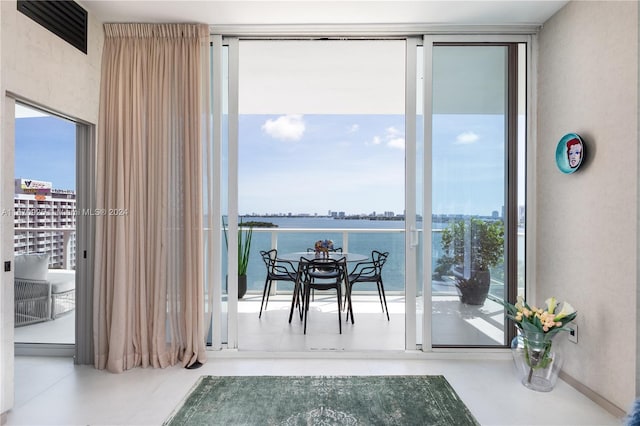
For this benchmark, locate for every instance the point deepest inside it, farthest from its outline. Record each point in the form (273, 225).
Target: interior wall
(587, 222)
(37, 66)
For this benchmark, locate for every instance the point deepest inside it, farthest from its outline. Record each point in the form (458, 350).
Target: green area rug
(340, 400)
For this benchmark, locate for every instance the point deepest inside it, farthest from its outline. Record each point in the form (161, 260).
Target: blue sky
(468, 164)
(355, 163)
(316, 163)
(45, 150)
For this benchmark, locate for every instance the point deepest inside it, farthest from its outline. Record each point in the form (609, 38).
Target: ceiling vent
(66, 19)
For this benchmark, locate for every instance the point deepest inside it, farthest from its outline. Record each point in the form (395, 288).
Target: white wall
(37, 66)
(587, 222)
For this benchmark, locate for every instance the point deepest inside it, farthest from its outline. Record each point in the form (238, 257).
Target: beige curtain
(149, 298)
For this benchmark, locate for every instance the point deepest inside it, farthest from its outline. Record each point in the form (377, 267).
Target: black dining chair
(277, 270)
(368, 272)
(333, 250)
(322, 275)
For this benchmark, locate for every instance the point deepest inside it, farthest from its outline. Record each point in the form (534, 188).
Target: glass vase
(537, 360)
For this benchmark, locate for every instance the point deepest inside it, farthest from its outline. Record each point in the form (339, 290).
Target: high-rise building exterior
(37, 205)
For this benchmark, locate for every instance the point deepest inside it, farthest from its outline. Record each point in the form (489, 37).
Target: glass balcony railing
(61, 243)
(352, 240)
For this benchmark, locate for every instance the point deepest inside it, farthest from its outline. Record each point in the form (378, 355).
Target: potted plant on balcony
(481, 244)
(244, 249)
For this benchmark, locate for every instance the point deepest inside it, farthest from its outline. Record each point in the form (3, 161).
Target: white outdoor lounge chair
(41, 294)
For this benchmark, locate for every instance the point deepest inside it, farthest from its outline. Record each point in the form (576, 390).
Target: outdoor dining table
(295, 257)
(349, 257)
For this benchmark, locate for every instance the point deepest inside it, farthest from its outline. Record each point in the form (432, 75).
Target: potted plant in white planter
(481, 243)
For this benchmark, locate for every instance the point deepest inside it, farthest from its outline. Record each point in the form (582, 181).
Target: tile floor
(53, 391)
(454, 323)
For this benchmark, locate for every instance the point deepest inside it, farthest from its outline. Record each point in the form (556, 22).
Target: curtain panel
(154, 107)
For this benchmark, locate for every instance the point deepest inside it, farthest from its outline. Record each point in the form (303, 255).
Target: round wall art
(569, 153)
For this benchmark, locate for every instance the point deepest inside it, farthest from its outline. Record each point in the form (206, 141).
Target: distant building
(36, 204)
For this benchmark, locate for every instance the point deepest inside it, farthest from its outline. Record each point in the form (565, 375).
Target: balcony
(453, 323)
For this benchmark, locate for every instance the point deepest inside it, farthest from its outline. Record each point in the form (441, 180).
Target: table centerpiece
(323, 247)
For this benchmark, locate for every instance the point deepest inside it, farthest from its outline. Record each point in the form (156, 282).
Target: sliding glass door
(307, 134)
(473, 134)
(321, 155)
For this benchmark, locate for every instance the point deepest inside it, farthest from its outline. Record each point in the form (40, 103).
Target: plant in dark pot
(471, 247)
(244, 249)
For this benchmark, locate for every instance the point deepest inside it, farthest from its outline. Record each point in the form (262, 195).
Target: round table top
(295, 257)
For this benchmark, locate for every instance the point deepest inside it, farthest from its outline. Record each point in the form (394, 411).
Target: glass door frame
(412, 236)
(85, 140)
(511, 195)
(218, 42)
(214, 206)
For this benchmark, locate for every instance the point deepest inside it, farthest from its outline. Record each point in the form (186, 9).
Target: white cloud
(393, 132)
(393, 138)
(376, 140)
(354, 128)
(285, 128)
(466, 138)
(397, 143)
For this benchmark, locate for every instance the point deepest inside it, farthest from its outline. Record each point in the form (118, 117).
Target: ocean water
(320, 228)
